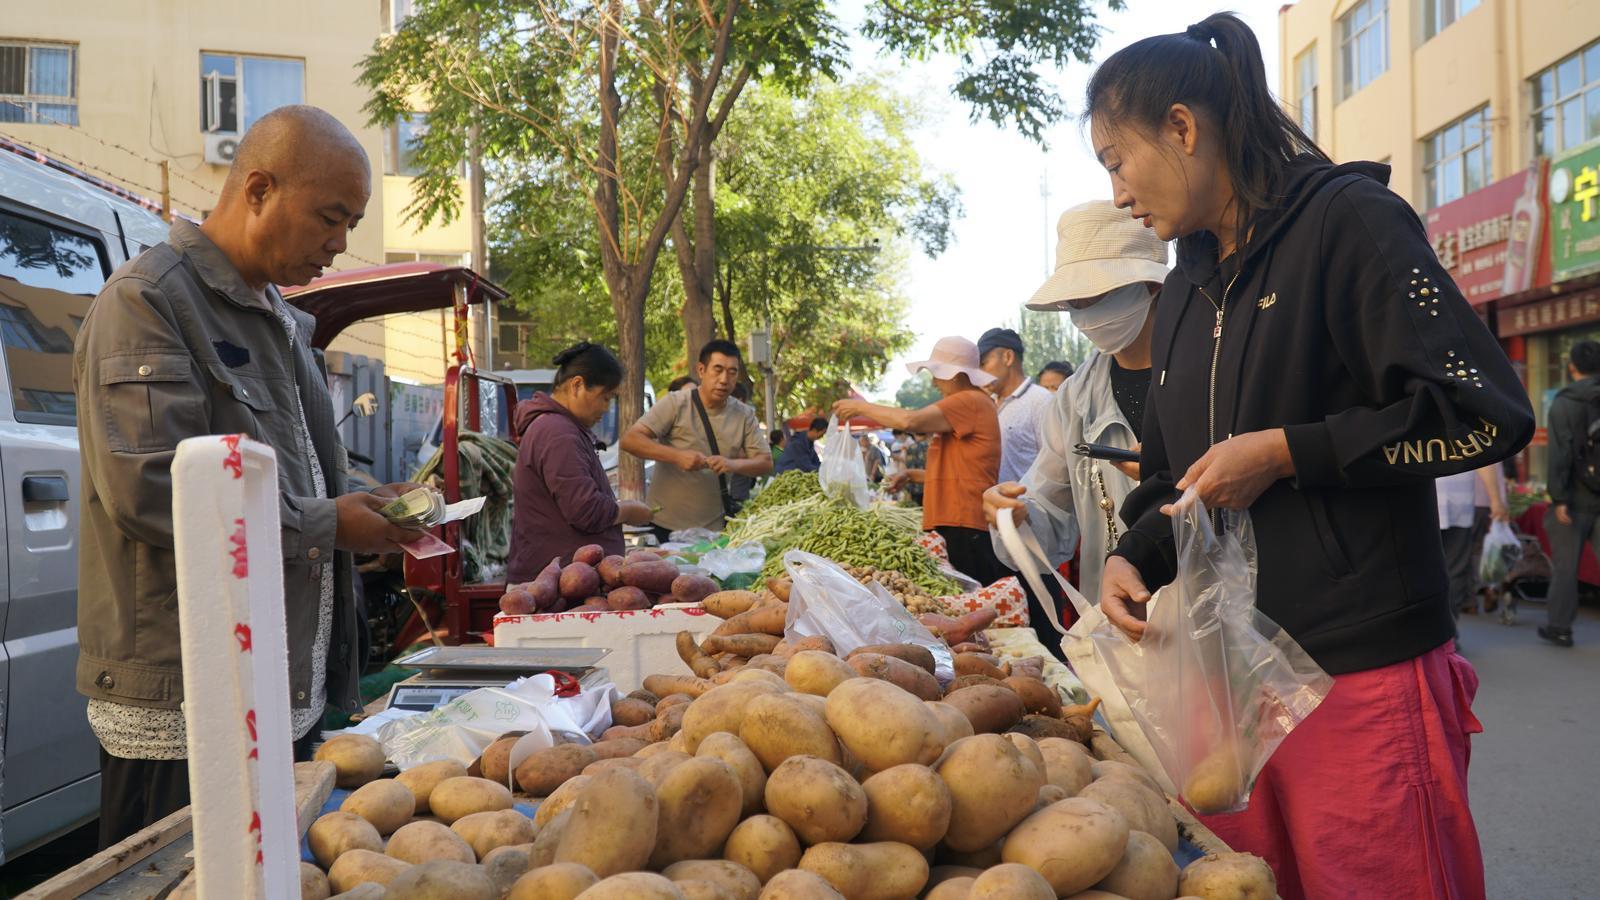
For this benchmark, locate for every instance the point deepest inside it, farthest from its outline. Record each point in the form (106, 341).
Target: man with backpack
(1574, 486)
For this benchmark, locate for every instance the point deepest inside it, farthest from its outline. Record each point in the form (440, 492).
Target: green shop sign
(1575, 213)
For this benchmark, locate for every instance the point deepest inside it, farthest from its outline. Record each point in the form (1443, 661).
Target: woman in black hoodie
(1315, 365)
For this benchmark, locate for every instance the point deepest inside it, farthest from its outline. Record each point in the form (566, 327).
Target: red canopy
(344, 298)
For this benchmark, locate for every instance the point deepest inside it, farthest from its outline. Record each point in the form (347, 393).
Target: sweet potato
(978, 664)
(769, 662)
(663, 685)
(546, 588)
(1037, 697)
(653, 576)
(627, 598)
(990, 709)
(701, 664)
(690, 588)
(517, 603)
(579, 581)
(780, 587)
(1040, 727)
(621, 732)
(746, 645)
(668, 723)
(589, 554)
(672, 700)
(618, 748)
(957, 631)
(642, 554)
(629, 711)
(610, 570)
(727, 604)
(760, 620)
(916, 654)
(963, 681)
(646, 696)
(909, 678)
(787, 648)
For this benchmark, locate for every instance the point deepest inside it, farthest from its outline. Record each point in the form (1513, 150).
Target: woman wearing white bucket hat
(1108, 269)
(963, 458)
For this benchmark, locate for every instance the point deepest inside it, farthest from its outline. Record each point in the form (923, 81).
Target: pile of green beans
(859, 537)
(785, 488)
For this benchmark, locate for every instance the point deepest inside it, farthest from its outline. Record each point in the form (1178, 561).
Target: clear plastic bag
(825, 600)
(1501, 551)
(725, 562)
(1214, 686)
(844, 472)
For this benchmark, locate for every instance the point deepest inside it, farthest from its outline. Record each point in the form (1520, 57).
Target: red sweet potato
(610, 570)
(693, 588)
(546, 589)
(627, 598)
(652, 576)
(517, 603)
(579, 581)
(589, 554)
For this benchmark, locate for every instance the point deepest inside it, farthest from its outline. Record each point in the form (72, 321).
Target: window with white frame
(400, 146)
(236, 90)
(1458, 158)
(1305, 103)
(443, 259)
(395, 14)
(38, 82)
(1363, 45)
(1566, 102)
(1438, 15)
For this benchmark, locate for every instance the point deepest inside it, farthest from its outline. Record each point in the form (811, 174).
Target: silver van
(61, 236)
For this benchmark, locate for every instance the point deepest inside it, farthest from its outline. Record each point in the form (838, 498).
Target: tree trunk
(725, 291)
(697, 261)
(627, 302)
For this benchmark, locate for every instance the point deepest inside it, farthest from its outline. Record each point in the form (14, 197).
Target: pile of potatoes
(815, 778)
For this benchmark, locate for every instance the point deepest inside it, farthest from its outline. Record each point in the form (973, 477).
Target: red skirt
(1368, 797)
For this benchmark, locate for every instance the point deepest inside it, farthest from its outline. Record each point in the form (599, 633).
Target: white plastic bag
(844, 472)
(1501, 551)
(463, 728)
(825, 600)
(1214, 686)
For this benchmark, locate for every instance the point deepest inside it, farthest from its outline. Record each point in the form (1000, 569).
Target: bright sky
(1006, 240)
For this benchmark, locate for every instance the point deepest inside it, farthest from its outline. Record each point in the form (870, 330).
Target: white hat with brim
(1099, 248)
(953, 356)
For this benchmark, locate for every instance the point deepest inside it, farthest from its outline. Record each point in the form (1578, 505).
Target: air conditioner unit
(220, 148)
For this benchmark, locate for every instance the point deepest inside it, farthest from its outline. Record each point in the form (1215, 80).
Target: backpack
(1588, 469)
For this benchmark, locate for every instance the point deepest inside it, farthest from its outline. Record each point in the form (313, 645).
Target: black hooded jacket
(1340, 327)
(1569, 419)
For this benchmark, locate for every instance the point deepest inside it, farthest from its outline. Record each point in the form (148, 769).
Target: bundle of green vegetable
(863, 537)
(783, 489)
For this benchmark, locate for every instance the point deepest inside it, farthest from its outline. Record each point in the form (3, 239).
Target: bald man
(192, 338)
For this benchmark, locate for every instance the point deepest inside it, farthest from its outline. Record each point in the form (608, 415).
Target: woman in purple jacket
(563, 498)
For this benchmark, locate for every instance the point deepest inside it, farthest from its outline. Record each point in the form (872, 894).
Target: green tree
(1048, 336)
(917, 391)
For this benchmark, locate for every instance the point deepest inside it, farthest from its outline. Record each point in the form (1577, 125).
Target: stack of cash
(421, 508)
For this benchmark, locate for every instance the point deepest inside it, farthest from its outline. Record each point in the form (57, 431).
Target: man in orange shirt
(963, 458)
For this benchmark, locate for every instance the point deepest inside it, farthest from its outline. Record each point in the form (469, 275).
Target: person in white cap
(963, 458)
(1108, 270)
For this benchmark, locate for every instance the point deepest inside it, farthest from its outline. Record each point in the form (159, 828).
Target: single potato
(699, 803)
(883, 725)
(634, 886)
(1229, 876)
(357, 759)
(561, 881)
(993, 786)
(1012, 881)
(736, 881)
(752, 775)
(909, 804)
(797, 884)
(453, 798)
(488, 831)
(421, 780)
(1146, 871)
(386, 803)
(356, 866)
(819, 800)
(880, 871)
(337, 833)
(423, 841)
(442, 880)
(765, 845)
(1073, 843)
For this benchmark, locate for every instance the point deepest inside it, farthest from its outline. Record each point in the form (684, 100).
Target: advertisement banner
(1490, 236)
(1575, 213)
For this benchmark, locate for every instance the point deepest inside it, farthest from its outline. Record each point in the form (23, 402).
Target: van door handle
(44, 489)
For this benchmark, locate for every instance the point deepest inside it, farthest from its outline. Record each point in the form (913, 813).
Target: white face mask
(1117, 319)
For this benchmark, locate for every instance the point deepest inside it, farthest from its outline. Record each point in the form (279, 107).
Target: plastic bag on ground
(1501, 551)
(844, 472)
(1214, 686)
(825, 600)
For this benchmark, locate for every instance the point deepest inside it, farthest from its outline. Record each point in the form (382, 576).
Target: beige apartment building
(1488, 111)
(116, 88)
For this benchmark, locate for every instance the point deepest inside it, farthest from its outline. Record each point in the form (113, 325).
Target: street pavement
(1535, 773)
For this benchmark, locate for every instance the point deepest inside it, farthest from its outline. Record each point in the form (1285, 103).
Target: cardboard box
(642, 642)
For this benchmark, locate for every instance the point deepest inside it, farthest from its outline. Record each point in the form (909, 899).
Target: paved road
(1535, 776)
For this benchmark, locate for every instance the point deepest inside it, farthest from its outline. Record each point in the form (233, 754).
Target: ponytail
(1215, 68)
(597, 366)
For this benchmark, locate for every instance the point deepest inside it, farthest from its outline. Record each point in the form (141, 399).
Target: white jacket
(1063, 499)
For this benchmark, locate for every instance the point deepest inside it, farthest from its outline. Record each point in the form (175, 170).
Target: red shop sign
(1491, 235)
(1558, 312)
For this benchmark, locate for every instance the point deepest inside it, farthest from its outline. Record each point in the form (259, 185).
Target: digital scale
(449, 672)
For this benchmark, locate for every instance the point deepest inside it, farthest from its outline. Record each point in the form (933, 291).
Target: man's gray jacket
(175, 346)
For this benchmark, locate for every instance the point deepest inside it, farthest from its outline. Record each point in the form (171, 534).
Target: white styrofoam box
(642, 641)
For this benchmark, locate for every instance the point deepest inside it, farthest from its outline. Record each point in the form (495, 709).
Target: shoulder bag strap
(711, 441)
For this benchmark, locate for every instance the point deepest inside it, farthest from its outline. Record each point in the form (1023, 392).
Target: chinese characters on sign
(1575, 213)
(1556, 313)
(1485, 234)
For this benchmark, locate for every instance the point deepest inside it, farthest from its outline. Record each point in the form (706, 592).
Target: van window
(48, 278)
